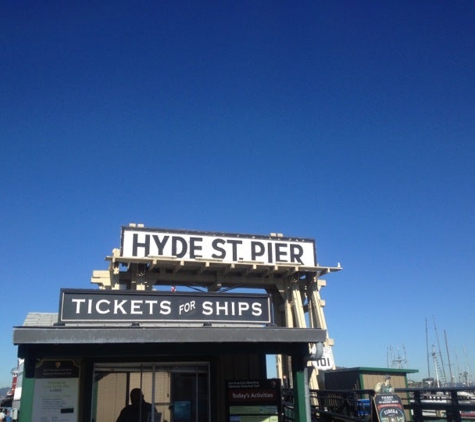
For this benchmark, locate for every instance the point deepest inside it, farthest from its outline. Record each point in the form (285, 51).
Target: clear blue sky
(348, 122)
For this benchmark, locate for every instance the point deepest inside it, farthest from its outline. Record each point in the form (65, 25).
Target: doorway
(179, 392)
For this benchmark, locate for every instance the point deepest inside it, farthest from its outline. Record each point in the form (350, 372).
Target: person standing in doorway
(138, 411)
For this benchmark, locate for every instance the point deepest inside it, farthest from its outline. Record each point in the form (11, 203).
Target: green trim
(385, 370)
(361, 381)
(300, 404)
(26, 401)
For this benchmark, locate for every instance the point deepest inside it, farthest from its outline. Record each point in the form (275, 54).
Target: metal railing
(449, 403)
(443, 404)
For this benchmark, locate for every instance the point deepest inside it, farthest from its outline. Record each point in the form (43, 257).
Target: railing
(332, 405)
(448, 404)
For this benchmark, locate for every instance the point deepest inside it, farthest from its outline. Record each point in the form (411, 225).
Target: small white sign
(326, 361)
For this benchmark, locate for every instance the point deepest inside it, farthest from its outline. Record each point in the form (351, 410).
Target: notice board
(253, 400)
(56, 391)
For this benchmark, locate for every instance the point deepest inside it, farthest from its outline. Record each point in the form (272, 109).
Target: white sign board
(56, 392)
(327, 361)
(149, 243)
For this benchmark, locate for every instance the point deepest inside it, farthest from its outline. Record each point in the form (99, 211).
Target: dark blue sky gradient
(348, 122)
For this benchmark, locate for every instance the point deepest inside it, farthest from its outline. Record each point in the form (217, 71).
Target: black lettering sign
(179, 246)
(234, 244)
(160, 244)
(150, 243)
(145, 245)
(195, 247)
(257, 250)
(218, 247)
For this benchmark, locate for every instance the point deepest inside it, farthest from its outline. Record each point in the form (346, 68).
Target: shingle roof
(40, 319)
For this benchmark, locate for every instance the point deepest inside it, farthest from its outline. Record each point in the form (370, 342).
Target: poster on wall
(253, 400)
(56, 391)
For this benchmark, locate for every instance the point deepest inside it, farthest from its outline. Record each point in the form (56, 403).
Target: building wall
(342, 380)
(363, 378)
(371, 379)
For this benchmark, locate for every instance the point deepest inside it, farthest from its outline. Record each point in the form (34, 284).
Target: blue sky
(348, 122)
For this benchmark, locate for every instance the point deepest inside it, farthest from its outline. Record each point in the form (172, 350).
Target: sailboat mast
(427, 350)
(440, 353)
(467, 372)
(448, 358)
(436, 367)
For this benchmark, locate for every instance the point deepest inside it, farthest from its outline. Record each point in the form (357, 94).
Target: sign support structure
(286, 268)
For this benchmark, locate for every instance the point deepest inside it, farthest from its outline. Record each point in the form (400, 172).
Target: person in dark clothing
(139, 410)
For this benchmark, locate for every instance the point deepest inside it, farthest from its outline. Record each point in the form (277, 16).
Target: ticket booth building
(180, 346)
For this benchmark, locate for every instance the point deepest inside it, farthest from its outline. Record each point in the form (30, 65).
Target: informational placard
(389, 408)
(253, 400)
(56, 391)
(85, 305)
(227, 248)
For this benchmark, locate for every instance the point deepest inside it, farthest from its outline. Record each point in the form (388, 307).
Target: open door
(177, 392)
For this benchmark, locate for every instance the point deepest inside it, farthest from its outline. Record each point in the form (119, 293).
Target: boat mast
(467, 372)
(427, 351)
(440, 353)
(448, 358)
(436, 367)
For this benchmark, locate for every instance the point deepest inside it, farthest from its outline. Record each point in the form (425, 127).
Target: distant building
(363, 378)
